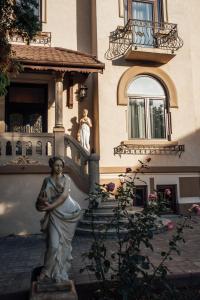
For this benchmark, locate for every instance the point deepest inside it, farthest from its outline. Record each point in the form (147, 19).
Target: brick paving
(20, 254)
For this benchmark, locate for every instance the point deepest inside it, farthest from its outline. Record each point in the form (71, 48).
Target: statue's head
(85, 112)
(56, 164)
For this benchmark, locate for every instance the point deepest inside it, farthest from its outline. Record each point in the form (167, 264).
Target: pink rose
(170, 225)
(153, 196)
(168, 192)
(195, 208)
(110, 187)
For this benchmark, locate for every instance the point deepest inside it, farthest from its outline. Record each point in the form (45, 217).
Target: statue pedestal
(53, 291)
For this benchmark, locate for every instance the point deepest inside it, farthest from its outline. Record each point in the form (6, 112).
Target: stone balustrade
(28, 148)
(85, 164)
(38, 147)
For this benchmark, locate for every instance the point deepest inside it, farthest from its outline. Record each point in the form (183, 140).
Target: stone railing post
(59, 130)
(93, 170)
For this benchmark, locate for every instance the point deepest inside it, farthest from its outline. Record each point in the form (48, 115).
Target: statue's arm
(61, 198)
(89, 122)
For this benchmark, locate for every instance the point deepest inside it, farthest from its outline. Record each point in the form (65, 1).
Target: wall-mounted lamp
(82, 91)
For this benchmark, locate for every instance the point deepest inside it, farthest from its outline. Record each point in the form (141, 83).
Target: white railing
(36, 147)
(31, 148)
(85, 164)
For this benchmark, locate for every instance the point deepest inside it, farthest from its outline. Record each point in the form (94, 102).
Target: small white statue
(84, 131)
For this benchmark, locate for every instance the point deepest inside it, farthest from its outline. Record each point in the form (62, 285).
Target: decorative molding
(155, 142)
(23, 160)
(153, 169)
(159, 74)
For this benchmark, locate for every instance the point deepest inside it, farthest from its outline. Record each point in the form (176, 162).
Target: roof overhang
(40, 58)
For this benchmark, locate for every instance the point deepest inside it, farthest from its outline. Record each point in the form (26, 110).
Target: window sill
(150, 142)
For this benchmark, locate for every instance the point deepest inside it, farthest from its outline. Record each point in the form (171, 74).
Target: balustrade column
(59, 130)
(93, 168)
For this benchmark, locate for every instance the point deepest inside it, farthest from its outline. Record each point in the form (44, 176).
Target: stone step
(88, 232)
(104, 210)
(99, 221)
(104, 224)
(107, 206)
(109, 202)
(112, 201)
(97, 213)
(85, 226)
(112, 231)
(109, 212)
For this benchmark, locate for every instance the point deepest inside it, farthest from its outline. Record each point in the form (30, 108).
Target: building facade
(144, 105)
(149, 95)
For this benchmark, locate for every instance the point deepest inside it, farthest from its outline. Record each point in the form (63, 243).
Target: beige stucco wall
(184, 72)
(17, 203)
(61, 22)
(69, 23)
(163, 179)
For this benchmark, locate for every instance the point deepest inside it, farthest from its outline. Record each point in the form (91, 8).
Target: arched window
(39, 148)
(147, 109)
(8, 148)
(29, 148)
(18, 148)
(49, 149)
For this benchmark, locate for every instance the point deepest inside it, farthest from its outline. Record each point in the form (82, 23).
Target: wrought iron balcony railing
(143, 34)
(41, 38)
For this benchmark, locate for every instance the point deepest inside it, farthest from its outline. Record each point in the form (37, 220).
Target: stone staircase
(102, 217)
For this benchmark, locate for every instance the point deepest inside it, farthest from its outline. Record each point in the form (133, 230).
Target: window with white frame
(147, 109)
(146, 10)
(39, 11)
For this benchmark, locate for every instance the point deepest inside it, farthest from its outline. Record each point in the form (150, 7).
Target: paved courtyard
(20, 254)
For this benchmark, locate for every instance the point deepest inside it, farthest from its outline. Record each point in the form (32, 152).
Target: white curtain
(157, 119)
(125, 12)
(136, 118)
(142, 11)
(143, 35)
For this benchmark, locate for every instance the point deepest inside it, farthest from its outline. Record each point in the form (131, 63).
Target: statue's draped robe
(85, 136)
(59, 225)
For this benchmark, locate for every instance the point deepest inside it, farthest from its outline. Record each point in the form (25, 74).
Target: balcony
(41, 38)
(144, 41)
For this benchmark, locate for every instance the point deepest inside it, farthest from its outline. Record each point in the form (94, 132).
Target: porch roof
(57, 59)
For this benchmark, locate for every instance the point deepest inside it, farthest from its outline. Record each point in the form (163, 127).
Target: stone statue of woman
(59, 222)
(84, 130)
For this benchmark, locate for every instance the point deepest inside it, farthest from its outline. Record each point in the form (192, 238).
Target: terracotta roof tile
(53, 56)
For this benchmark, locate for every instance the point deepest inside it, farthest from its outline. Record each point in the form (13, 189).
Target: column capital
(58, 76)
